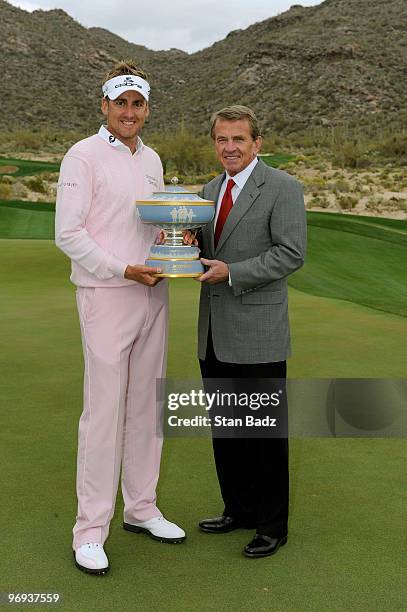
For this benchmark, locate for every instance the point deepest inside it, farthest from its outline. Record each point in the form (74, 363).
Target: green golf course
(28, 167)
(25, 167)
(348, 496)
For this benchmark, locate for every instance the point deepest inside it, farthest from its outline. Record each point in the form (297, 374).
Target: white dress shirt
(240, 180)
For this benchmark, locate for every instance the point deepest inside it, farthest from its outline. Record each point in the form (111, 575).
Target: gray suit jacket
(263, 241)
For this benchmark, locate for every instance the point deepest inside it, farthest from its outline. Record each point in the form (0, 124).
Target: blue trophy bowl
(176, 211)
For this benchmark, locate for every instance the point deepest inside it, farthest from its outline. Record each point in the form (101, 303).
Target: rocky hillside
(340, 61)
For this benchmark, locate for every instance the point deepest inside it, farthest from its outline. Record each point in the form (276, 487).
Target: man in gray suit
(257, 239)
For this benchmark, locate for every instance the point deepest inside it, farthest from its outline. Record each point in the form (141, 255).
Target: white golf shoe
(159, 529)
(91, 558)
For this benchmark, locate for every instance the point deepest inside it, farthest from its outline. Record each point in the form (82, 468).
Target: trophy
(176, 210)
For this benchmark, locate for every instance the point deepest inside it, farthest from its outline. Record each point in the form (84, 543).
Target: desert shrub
(50, 176)
(318, 201)
(368, 179)
(351, 155)
(5, 191)
(310, 139)
(347, 202)
(376, 204)
(340, 186)
(273, 142)
(399, 203)
(6, 178)
(184, 152)
(19, 191)
(313, 185)
(399, 181)
(205, 178)
(320, 166)
(278, 121)
(394, 146)
(26, 140)
(388, 184)
(44, 140)
(289, 168)
(402, 205)
(201, 179)
(36, 184)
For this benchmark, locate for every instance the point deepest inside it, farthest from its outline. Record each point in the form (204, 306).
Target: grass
(277, 160)
(34, 220)
(30, 167)
(391, 230)
(27, 167)
(347, 496)
(357, 259)
(354, 258)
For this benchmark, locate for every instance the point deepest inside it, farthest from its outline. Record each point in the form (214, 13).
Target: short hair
(125, 67)
(234, 113)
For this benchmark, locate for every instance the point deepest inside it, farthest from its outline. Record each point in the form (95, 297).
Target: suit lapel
(212, 194)
(245, 200)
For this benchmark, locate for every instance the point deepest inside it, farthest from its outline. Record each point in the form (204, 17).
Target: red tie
(225, 208)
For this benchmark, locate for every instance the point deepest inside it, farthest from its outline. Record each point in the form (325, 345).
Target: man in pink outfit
(123, 312)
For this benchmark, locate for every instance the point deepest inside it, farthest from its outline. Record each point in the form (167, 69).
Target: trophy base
(178, 275)
(175, 262)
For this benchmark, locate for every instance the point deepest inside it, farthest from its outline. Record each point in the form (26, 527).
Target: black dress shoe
(263, 546)
(220, 524)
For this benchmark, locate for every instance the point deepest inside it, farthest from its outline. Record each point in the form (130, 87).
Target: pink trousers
(124, 337)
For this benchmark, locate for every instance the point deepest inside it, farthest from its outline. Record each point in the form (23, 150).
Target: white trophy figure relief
(182, 214)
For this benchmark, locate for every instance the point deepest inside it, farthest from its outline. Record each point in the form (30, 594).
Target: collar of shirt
(116, 143)
(240, 180)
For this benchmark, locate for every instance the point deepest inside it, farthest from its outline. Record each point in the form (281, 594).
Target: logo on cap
(128, 82)
(125, 82)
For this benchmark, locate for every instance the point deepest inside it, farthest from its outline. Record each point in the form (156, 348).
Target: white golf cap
(113, 88)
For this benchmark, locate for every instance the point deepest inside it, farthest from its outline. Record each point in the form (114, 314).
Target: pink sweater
(96, 221)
